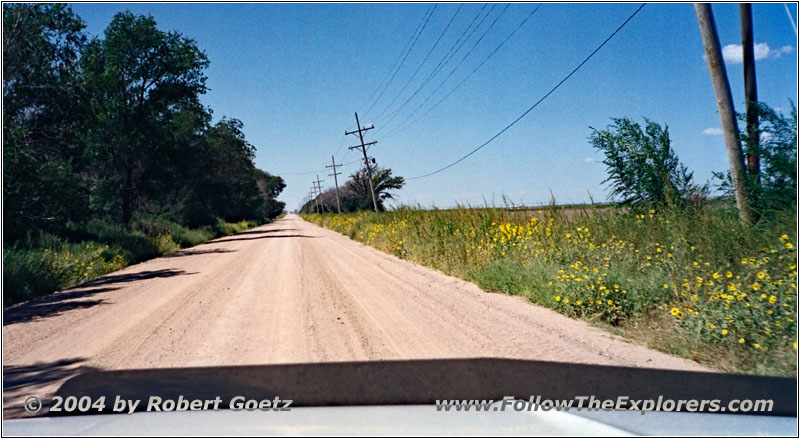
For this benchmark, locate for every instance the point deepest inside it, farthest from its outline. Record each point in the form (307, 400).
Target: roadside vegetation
(109, 157)
(668, 267)
(45, 263)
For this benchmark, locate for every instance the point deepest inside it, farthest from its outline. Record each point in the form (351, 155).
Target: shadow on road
(261, 232)
(67, 300)
(38, 374)
(52, 305)
(34, 311)
(21, 381)
(264, 237)
(132, 277)
(183, 253)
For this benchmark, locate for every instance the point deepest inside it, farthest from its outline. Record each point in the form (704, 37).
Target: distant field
(695, 282)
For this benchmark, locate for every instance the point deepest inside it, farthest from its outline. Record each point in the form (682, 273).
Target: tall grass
(44, 263)
(694, 282)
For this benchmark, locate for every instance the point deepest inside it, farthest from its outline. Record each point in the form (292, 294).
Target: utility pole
(314, 197)
(310, 196)
(316, 193)
(319, 192)
(363, 147)
(750, 92)
(335, 182)
(727, 116)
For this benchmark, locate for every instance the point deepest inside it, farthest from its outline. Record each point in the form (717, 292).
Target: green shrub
(24, 277)
(28, 273)
(165, 244)
(154, 225)
(135, 246)
(43, 263)
(186, 237)
(224, 229)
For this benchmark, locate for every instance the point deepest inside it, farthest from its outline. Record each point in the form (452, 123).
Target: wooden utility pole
(312, 194)
(335, 182)
(363, 147)
(750, 92)
(727, 116)
(319, 192)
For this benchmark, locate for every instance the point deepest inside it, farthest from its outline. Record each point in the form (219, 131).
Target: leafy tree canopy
(641, 165)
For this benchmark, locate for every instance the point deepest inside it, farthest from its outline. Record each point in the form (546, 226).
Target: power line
(464, 58)
(299, 173)
(341, 144)
(497, 49)
(450, 53)
(791, 19)
(413, 43)
(400, 55)
(317, 171)
(458, 44)
(585, 60)
(435, 44)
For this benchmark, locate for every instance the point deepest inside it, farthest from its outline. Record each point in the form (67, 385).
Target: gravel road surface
(286, 292)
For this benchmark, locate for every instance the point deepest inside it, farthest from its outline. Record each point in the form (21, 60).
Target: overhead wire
(459, 43)
(450, 53)
(318, 171)
(402, 127)
(394, 64)
(435, 44)
(413, 43)
(464, 58)
(536, 104)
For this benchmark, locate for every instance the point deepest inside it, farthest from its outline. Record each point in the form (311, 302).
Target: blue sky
(295, 74)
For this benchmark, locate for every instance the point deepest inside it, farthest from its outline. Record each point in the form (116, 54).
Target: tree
(41, 186)
(139, 79)
(774, 187)
(114, 127)
(642, 167)
(357, 193)
(226, 182)
(270, 186)
(778, 151)
(169, 186)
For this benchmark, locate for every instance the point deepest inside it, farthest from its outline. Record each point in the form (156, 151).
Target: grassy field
(45, 263)
(696, 283)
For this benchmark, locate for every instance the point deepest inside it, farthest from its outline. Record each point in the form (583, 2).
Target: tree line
(112, 127)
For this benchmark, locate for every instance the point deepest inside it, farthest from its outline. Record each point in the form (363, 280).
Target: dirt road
(286, 292)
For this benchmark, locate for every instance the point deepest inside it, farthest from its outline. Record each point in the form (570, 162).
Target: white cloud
(732, 53)
(588, 159)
